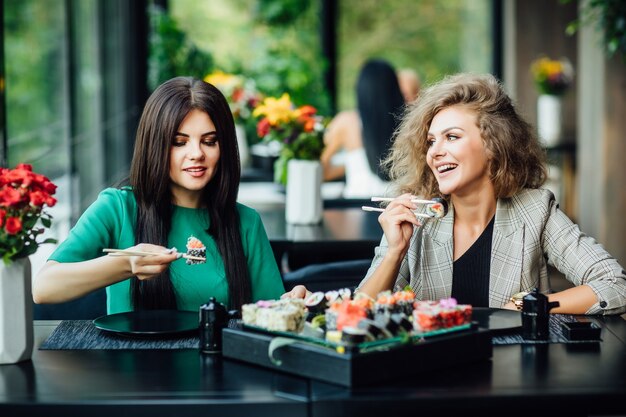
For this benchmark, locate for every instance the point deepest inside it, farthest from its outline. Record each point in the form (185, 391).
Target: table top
(342, 226)
(546, 379)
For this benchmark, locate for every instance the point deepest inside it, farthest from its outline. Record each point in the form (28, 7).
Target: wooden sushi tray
(356, 367)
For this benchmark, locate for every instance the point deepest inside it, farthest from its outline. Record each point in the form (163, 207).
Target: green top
(110, 222)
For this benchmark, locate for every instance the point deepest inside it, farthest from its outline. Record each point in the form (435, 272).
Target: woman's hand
(509, 306)
(299, 291)
(146, 267)
(397, 222)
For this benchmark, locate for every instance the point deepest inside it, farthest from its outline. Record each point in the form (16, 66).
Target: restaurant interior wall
(593, 113)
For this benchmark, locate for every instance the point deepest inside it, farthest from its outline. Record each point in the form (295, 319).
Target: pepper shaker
(213, 318)
(536, 315)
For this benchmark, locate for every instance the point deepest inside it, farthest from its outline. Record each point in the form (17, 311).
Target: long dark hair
(380, 104)
(149, 176)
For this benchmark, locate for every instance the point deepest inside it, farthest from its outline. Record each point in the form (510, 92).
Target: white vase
(549, 119)
(242, 143)
(16, 311)
(304, 192)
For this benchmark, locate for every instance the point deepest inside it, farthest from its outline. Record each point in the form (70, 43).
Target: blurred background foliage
(432, 37)
(274, 42)
(172, 53)
(277, 42)
(33, 99)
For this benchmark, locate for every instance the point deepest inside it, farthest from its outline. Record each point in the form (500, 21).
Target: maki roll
(353, 336)
(195, 248)
(438, 209)
(403, 322)
(373, 330)
(316, 302)
(385, 322)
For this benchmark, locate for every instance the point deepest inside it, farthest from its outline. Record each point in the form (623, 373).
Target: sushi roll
(384, 321)
(404, 301)
(195, 248)
(353, 336)
(373, 330)
(438, 209)
(403, 322)
(316, 302)
(385, 303)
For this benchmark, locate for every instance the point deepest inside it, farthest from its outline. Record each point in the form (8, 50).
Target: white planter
(242, 143)
(304, 192)
(16, 312)
(549, 119)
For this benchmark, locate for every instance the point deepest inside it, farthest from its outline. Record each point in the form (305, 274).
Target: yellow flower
(222, 80)
(552, 76)
(276, 110)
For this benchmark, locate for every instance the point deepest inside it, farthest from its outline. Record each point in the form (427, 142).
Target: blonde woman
(463, 140)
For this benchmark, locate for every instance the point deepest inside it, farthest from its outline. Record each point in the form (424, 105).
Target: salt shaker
(213, 318)
(536, 315)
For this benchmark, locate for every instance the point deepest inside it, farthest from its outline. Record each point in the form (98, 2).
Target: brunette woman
(183, 182)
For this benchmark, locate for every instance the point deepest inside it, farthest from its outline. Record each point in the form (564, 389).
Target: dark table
(343, 234)
(539, 380)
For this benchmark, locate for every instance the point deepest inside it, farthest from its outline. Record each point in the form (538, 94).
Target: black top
(470, 276)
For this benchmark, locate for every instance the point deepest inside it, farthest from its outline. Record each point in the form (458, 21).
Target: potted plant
(23, 198)
(300, 135)
(242, 96)
(552, 79)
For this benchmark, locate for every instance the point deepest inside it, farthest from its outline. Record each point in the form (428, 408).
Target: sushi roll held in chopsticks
(197, 249)
(438, 208)
(435, 208)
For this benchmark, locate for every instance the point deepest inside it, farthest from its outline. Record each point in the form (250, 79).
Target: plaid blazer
(530, 232)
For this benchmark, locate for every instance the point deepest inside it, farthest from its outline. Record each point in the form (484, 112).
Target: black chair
(89, 307)
(328, 276)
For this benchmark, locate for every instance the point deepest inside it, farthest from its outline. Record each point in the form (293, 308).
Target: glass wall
(75, 83)
(275, 42)
(37, 99)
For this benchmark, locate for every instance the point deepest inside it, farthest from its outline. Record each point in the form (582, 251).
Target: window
(432, 37)
(75, 83)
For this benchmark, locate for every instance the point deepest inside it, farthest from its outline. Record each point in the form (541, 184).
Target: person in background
(464, 141)
(365, 134)
(410, 84)
(183, 182)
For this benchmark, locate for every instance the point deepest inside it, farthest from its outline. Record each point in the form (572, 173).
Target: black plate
(149, 323)
(497, 319)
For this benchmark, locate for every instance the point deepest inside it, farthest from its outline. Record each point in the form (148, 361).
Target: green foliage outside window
(274, 42)
(171, 52)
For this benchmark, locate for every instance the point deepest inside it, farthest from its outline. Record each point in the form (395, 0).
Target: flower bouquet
(300, 131)
(241, 93)
(23, 195)
(552, 77)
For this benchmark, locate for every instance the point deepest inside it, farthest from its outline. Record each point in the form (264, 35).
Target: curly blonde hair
(517, 159)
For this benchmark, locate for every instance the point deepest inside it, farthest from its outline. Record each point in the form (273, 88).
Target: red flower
(309, 125)
(23, 195)
(38, 198)
(13, 226)
(25, 167)
(10, 196)
(263, 127)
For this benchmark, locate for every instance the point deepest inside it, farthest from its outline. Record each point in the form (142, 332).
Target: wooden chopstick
(368, 208)
(126, 252)
(415, 200)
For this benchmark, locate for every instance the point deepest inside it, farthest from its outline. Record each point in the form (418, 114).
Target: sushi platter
(351, 341)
